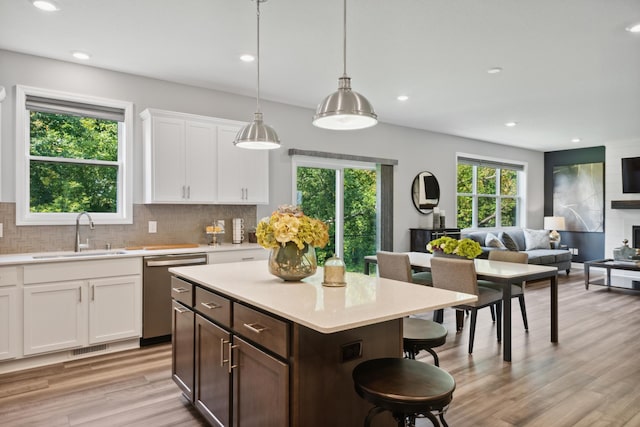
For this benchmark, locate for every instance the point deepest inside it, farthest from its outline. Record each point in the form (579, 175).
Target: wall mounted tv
(631, 175)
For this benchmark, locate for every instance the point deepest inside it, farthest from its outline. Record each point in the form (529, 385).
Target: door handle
(222, 359)
(255, 327)
(210, 305)
(231, 347)
(180, 290)
(180, 310)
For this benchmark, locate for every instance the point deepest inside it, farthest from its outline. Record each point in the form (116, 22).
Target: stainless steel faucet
(80, 246)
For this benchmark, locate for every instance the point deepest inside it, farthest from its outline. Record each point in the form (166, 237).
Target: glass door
(344, 195)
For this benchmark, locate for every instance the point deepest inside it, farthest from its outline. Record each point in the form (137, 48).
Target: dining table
(504, 273)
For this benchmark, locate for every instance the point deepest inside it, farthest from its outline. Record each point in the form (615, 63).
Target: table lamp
(554, 223)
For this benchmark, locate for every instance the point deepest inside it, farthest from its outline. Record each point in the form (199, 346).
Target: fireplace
(635, 231)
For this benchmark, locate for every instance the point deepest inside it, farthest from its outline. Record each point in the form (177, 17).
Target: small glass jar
(334, 272)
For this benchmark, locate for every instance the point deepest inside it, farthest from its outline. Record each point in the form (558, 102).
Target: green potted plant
(465, 248)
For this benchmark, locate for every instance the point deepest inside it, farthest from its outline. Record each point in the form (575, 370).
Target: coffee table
(610, 264)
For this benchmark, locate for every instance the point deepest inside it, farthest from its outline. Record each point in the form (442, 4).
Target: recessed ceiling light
(494, 70)
(247, 58)
(575, 140)
(635, 28)
(80, 55)
(510, 124)
(46, 5)
(402, 97)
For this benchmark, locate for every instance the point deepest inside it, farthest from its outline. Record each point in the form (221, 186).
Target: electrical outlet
(153, 226)
(351, 351)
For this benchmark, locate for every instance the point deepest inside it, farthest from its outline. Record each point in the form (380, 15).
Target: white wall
(415, 150)
(618, 222)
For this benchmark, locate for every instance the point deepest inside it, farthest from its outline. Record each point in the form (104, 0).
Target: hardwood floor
(590, 378)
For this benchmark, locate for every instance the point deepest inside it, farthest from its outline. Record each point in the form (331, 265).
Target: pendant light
(345, 109)
(257, 135)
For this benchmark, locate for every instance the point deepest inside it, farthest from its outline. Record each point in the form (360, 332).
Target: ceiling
(570, 70)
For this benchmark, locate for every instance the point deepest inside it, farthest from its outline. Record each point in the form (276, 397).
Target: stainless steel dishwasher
(156, 294)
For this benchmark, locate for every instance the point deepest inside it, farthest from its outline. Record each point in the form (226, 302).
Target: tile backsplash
(175, 224)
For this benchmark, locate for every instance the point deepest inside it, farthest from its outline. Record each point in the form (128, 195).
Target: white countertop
(365, 300)
(66, 256)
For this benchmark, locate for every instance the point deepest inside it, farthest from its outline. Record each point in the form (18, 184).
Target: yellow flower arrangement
(290, 224)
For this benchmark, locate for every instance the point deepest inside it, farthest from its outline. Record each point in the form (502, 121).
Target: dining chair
(517, 290)
(418, 334)
(460, 275)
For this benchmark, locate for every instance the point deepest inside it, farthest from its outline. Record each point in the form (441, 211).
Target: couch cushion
(548, 256)
(492, 241)
(536, 239)
(508, 241)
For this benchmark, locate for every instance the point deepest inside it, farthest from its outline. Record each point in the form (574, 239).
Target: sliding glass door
(344, 195)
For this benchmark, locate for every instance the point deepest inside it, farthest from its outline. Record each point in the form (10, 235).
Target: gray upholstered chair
(460, 275)
(517, 290)
(418, 334)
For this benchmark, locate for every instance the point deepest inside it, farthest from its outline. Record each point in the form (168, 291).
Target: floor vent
(85, 350)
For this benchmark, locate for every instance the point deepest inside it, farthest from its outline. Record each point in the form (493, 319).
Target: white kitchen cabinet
(180, 158)
(9, 325)
(55, 316)
(114, 308)
(8, 322)
(237, 255)
(243, 175)
(76, 304)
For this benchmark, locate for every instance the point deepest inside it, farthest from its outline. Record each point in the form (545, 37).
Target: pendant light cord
(344, 39)
(258, 55)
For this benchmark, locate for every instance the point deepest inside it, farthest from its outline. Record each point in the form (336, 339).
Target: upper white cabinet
(180, 158)
(243, 175)
(192, 159)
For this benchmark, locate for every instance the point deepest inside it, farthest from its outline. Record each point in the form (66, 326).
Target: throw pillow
(536, 239)
(508, 241)
(492, 241)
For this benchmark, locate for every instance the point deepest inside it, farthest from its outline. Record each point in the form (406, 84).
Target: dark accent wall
(590, 245)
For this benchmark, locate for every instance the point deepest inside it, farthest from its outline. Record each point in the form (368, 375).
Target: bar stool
(407, 388)
(419, 334)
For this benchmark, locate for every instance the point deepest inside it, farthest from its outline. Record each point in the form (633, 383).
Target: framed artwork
(578, 196)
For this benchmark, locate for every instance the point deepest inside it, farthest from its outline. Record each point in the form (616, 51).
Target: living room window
(488, 193)
(74, 155)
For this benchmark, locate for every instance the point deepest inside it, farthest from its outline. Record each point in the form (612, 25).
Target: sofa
(534, 243)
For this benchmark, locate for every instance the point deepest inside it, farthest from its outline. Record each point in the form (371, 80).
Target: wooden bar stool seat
(407, 388)
(420, 334)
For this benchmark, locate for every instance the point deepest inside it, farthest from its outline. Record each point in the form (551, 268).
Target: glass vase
(292, 264)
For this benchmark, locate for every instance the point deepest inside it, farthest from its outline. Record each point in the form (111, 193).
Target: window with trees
(73, 155)
(488, 193)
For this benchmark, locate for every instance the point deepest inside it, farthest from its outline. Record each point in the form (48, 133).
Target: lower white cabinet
(87, 309)
(8, 322)
(238, 255)
(55, 317)
(114, 308)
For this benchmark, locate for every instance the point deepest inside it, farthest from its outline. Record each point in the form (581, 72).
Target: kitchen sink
(79, 255)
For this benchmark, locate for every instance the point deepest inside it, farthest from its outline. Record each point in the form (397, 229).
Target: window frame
(124, 213)
(498, 164)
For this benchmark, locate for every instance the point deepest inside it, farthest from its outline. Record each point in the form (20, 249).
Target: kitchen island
(252, 350)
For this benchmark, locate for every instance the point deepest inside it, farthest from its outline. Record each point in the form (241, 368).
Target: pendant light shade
(345, 109)
(257, 135)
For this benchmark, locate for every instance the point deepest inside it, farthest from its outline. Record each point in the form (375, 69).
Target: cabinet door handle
(180, 310)
(183, 191)
(188, 191)
(246, 194)
(231, 347)
(222, 359)
(79, 293)
(210, 305)
(93, 292)
(248, 258)
(180, 290)
(255, 327)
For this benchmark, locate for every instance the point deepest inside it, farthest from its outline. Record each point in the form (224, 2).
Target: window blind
(490, 163)
(72, 108)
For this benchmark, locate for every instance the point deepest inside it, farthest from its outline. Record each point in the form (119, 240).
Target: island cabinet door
(260, 388)
(182, 366)
(213, 376)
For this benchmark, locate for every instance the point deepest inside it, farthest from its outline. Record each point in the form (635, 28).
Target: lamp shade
(345, 109)
(257, 136)
(554, 223)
